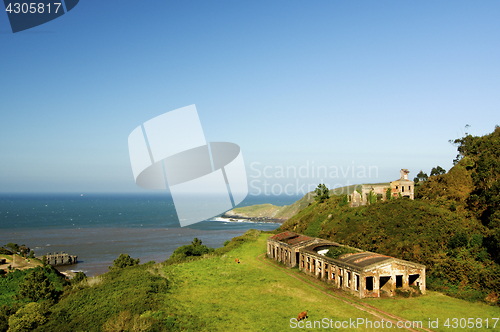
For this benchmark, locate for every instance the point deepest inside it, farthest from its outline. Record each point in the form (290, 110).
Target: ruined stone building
(401, 186)
(362, 273)
(60, 259)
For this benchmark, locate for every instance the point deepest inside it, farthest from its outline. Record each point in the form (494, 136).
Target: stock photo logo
(25, 15)
(205, 179)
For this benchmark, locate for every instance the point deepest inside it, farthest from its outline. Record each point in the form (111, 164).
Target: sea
(99, 227)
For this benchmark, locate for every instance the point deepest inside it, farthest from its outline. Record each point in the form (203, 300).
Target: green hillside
(215, 293)
(287, 211)
(453, 226)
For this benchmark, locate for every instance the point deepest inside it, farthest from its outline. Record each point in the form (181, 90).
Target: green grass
(261, 210)
(217, 294)
(435, 305)
(90, 305)
(214, 293)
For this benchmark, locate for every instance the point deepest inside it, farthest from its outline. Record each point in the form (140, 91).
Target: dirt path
(348, 300)
(19, 263)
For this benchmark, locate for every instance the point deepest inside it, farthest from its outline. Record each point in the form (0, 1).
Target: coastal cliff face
(261, 212)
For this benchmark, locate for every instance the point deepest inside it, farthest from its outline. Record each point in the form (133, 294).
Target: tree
(79, 276)
(24, 250)
(438, 171)
(124, 260)
(322, 193)
(196, 242)
(36, 286)
(5, 313)
(421, 177)
(13, 247)
(32, 254)
(372, 197)
(27, 318)
(388, 195)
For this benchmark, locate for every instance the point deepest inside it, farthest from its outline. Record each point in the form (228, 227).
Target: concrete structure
(57, 259)
(361, 273)
(402, 186)
(284, 247)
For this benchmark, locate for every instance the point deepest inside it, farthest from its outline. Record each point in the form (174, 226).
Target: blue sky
(339, 84)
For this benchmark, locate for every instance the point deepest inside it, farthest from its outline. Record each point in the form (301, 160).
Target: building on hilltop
(402, 186)
(361, 273)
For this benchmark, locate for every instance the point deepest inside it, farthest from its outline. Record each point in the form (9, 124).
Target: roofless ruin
(361, 273)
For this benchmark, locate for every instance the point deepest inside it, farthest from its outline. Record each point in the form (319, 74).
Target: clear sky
(381, 84)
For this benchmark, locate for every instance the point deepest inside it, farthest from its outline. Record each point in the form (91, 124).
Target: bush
(37, 286)
(5, 313)
(124, 260)
(339, 251)
(79, 276)
(28, 318)
(195, 249)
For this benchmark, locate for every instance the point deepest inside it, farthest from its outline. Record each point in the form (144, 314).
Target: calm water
(98, 227)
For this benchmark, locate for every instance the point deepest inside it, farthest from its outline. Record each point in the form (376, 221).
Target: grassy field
(8, 257)
(436, 306)
(218, 294)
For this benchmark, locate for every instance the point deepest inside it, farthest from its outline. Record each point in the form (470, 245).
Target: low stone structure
(284, 247)
(63, 258)
(361, 273)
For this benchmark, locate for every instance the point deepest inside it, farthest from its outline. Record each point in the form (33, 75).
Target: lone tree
(421, 177)
(322, 193)
(438, 171)
(122, 261)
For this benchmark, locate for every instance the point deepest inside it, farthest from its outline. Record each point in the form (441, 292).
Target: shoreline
(237, 218)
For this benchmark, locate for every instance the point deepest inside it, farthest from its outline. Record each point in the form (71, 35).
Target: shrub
(79, 276)
(124, 260)
(28, 318)
(37, 286)
(339, 251)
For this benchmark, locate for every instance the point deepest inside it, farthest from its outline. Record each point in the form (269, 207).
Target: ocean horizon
(98, 227)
